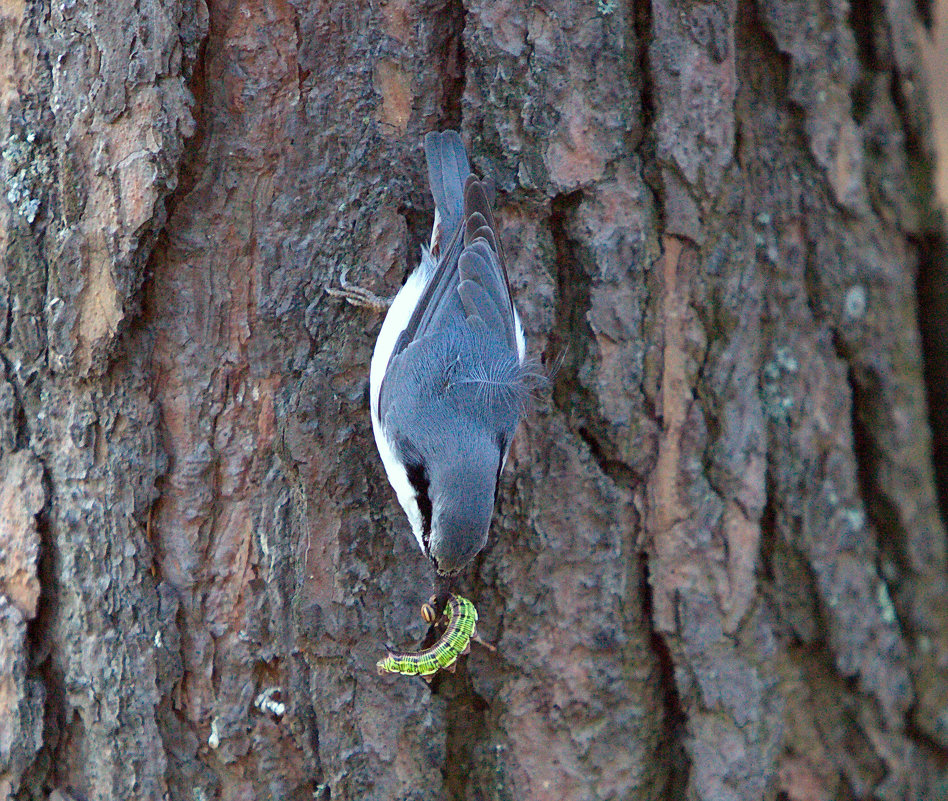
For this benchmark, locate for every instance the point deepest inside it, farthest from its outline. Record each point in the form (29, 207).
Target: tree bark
(717, 566)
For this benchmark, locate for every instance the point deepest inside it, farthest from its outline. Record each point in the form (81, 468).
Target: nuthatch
(449, 375)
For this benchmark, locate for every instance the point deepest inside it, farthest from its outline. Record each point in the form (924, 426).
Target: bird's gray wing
(438, 298)
(469, 286)
(470, 279)
(483, 283)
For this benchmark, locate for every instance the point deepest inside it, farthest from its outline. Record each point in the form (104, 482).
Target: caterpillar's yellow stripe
(462, 625)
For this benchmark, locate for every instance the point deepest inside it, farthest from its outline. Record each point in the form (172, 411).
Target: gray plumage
(455, 384)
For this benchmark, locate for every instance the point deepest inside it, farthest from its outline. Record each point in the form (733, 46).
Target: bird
(449, 375)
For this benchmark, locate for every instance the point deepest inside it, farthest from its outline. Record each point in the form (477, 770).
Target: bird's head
(462, 490)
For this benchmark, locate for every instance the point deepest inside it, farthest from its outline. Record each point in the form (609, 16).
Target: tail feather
(448, 169)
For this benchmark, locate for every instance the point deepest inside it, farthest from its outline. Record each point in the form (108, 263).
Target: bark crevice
(454, 64)
(570, 330)
(932, 288)
(672, 751)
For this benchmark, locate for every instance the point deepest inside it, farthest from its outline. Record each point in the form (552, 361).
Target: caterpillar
(456, 640)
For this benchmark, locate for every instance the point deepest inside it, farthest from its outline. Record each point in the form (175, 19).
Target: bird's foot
(487, 645)
(358, 295)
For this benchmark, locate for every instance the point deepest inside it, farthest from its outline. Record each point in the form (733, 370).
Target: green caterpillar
(456, 640)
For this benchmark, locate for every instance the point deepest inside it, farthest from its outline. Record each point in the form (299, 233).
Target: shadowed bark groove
(933, 322)
(567, 349)
(717, 565)
(672, 752)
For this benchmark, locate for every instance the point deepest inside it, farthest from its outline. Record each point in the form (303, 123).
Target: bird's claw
(358, 295)
(487, 645)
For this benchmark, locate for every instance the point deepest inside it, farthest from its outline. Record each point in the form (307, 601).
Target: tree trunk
(717, 567)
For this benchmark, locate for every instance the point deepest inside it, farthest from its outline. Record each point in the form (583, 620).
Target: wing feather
(469, 281)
